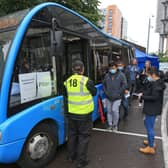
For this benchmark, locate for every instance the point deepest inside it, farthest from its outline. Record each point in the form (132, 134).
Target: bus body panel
(16, 129)
(10, 152)
(29, 118)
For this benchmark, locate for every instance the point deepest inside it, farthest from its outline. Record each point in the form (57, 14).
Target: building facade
(124, 28)
(113, 23)
(162, 24)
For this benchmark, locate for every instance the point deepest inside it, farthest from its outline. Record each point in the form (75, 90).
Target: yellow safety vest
(80, 100)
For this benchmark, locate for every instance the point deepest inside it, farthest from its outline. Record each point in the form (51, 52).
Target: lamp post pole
(149, 26)
(148, 38)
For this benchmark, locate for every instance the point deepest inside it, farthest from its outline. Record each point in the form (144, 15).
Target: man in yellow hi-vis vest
(80, 92)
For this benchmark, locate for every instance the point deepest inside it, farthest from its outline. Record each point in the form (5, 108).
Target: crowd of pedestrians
(120, 84)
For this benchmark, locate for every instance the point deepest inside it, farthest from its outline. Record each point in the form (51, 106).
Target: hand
(140, 95)
(126, 91)
(137, 77)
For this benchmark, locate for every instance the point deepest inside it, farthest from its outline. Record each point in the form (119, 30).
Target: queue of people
(119, 84)
(147, 84)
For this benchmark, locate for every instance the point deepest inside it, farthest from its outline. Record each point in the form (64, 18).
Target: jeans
(125, 104)
(113, 112)
(149, 124)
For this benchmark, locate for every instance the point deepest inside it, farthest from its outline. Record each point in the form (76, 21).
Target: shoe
(69, 159)
(109, 128)
(115, 128)
(82, 164)
(146, 143)
(147, 150)
(140, 104)
(125, 116)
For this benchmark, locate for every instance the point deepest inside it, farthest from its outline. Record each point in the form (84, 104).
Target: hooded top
(114, 85)
(153, 98)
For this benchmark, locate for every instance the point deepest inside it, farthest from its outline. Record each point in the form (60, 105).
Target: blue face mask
(112, 71)
(120, 68)
(149, 79)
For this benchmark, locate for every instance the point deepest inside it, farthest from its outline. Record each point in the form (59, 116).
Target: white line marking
(164, 134)
(124, 133)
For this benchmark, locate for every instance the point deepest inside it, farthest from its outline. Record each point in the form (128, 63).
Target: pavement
(117, 149)
(164, 128)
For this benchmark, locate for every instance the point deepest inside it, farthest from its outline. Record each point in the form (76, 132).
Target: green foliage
(87, 8)
(163, 57)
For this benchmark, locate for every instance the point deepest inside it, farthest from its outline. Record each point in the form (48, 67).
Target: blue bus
(37, 48)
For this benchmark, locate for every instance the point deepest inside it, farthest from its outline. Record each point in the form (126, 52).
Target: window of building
(110, 12)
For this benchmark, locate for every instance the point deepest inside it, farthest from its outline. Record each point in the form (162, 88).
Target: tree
(10, 6)
(87, 8)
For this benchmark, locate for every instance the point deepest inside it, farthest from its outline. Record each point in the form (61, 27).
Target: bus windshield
(5, 41)
(8, 26)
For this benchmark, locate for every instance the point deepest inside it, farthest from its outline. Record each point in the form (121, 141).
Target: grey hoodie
(114, 85)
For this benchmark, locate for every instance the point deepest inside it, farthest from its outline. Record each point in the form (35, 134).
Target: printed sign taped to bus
(28, 88)
(44, 84)
(34, 86)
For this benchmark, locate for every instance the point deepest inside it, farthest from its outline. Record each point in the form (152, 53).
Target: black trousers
(79, 132)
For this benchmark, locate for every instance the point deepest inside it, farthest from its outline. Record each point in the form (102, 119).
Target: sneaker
(109, 127)
(125, 116)
(70, 159)
(147, 150)
(82, 164)
(140, 104)
(115, 128)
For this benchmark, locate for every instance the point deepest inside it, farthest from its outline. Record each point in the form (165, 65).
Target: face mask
(149, 79)
(120, 68)
(112, 71)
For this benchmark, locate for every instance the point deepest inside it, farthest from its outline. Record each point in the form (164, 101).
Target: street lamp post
(149, 26)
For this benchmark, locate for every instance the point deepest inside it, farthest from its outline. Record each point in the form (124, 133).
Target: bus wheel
(40, 147)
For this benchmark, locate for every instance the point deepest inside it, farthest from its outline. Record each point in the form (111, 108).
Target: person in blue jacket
(133, 71)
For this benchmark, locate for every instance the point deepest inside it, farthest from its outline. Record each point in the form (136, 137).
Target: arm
(123, 83)
(154, 96)
(65, 100)
(91, 87)
(105, 85)
(127, 74)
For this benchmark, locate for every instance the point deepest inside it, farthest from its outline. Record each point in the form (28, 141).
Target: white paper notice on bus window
(28, 89)
(44, 85)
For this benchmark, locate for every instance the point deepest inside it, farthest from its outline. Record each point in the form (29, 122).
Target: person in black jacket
(142, 80)
(153, 102)
(114, 85)
(126, 94)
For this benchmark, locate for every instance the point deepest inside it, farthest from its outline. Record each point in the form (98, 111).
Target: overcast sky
(137, 14)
